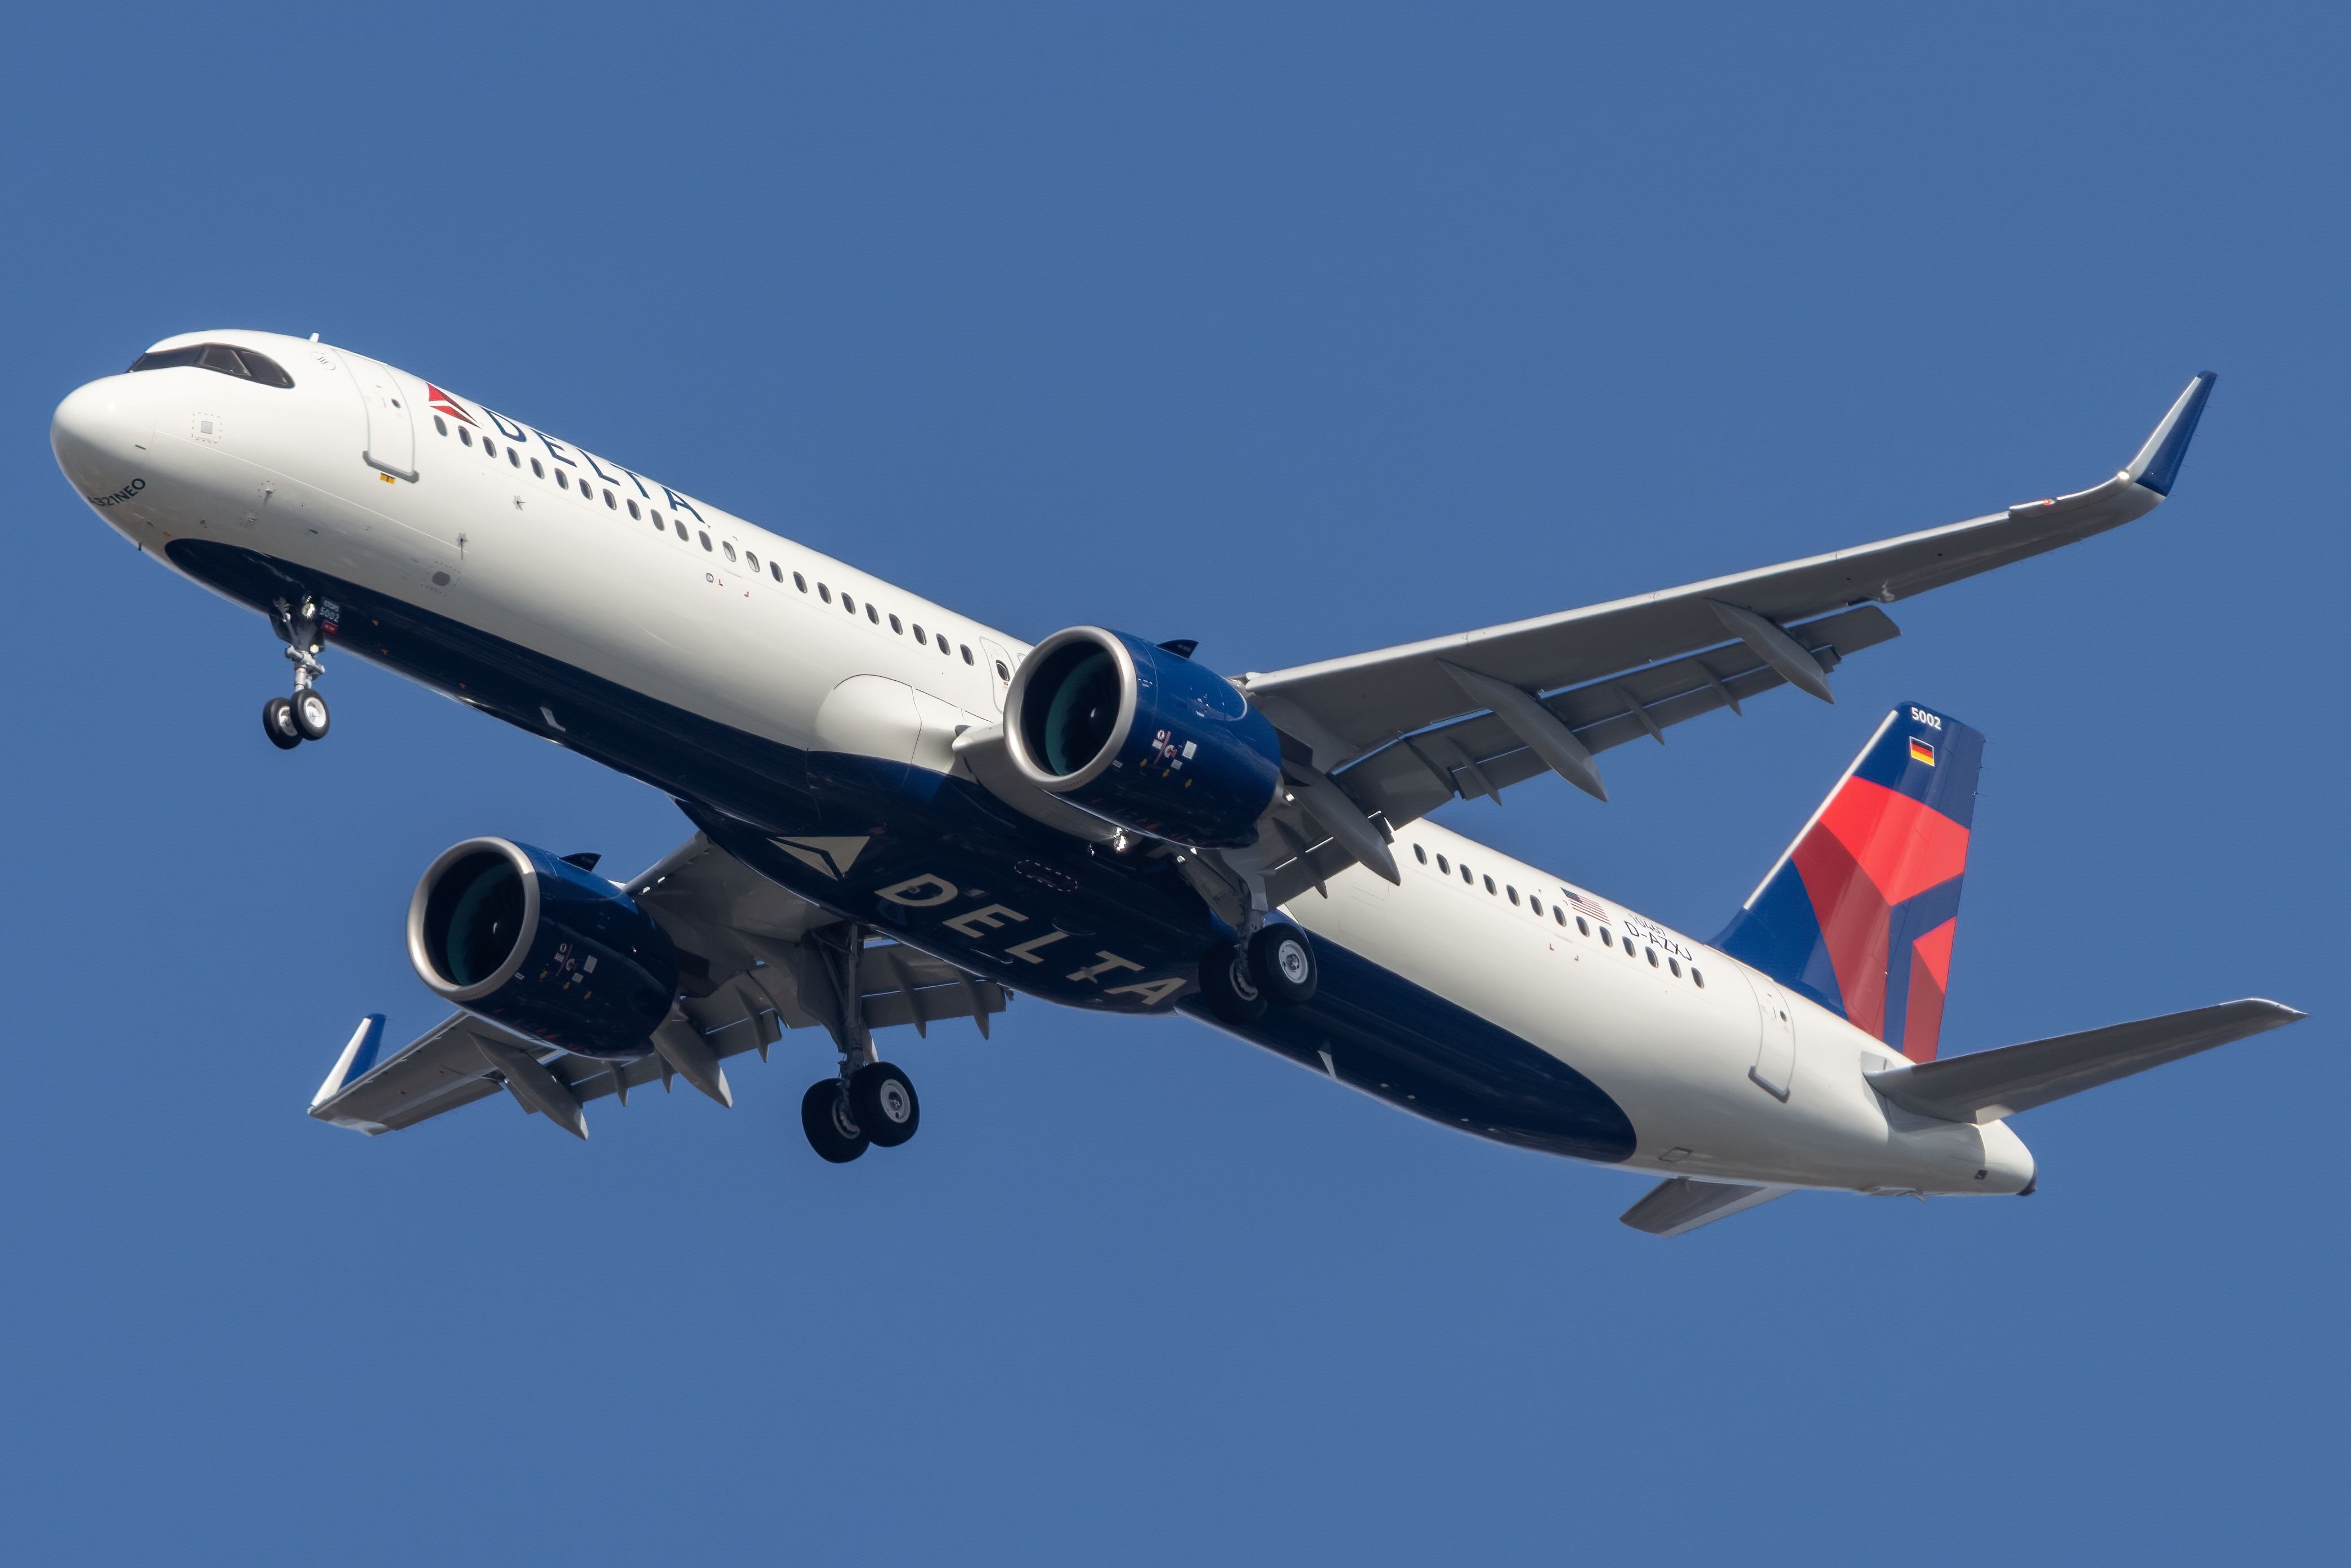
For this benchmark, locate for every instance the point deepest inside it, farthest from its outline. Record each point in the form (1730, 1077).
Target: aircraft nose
(92, 431)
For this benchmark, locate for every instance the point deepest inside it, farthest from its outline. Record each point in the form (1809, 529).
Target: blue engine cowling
(1142, 737)
(545, 948)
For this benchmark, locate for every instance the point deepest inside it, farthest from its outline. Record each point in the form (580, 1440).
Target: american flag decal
(1585, 903)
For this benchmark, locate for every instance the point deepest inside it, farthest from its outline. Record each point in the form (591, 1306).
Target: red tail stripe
(1935, 951)
(1854, 921)
(1922, 1026)
(1904, 845)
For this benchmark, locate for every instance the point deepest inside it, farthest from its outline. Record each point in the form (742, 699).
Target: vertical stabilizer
(1861, 912)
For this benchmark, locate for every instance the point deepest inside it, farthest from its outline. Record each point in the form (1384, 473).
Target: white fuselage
(1723, 1075)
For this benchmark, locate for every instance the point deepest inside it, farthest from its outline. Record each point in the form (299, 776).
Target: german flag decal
(1922, 751)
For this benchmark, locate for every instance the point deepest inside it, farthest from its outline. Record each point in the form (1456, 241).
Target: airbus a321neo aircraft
(901, 816)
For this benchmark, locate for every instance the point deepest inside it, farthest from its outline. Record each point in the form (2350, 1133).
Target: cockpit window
(243, 364)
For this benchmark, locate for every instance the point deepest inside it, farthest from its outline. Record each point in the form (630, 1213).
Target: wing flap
(1987, 1085)
(1482, 754)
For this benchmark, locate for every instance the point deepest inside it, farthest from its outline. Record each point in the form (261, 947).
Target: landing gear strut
(290, 721)
(1275, 968)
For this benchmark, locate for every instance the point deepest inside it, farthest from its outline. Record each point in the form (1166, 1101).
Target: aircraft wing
(1347, 708)
(1385, 738)
(758, 960)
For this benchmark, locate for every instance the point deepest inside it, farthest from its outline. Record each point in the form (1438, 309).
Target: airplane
(901, 817)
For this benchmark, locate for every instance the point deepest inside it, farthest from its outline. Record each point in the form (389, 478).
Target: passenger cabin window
(705, 541)
(1467, 877)
(243, 364)
(1675, 966)
(1420, 854)
(679, 524)
(514, 458)
(1652, 952)
(634, 514)
(1696, 978)
(777, 571)
(489, 447)
(966, 652)
(920, 635)
(440, 424)
(1444, 865)
(897, 626)
(750, 560)
(464, 436)
(1583, 926)
(1490, 885)
(660, 527)
(824, 593)
(1513, 893)
(728, 551)
(1558, 916)
(611, 504)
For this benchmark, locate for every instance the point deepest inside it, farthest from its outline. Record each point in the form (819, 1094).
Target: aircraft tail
(1861, 912)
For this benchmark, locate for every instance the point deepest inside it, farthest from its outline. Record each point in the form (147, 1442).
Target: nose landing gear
(290, 721)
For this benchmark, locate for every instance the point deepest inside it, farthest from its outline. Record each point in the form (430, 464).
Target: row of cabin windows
(1533, 904)
(750, 558)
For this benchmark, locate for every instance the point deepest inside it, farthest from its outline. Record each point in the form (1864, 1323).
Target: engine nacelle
(1142, 737)
(546, 949)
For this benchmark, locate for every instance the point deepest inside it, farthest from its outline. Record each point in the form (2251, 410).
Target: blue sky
(1297, 331)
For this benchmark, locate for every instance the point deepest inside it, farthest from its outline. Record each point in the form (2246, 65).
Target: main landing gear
(875, 1106)
(868, 1102)
(290, 721)
(1275, 968)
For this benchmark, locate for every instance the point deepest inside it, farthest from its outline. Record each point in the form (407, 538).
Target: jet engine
(542, 947)
(1144, 736)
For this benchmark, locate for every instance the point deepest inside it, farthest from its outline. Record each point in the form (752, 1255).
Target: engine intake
(545, 948)
(1144, 736)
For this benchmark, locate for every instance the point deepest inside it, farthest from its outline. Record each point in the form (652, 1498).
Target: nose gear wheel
(277, 723)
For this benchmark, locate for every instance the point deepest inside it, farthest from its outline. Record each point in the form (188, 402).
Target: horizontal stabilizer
(1679, 1203)
(1989, 1085)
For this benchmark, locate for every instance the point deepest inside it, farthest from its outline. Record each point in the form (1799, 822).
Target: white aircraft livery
(901, 816)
